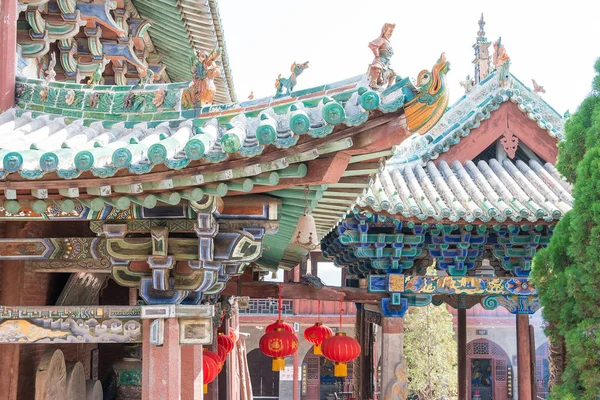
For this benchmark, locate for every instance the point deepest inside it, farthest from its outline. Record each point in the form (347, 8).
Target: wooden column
(523, 357)
(532, 362)
(462, 353)
(362, 364)
(13, 278)
(392, 340)
(8, 49)
(191, 373)
(295, 385)
(161, 365)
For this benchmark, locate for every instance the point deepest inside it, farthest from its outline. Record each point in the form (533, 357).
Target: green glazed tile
(94, 115)
(139, 117)
(35, 107)
(72, 113)
(166, 115)
(188, 114)
(115, 117)
(121, 88)
(53, 110)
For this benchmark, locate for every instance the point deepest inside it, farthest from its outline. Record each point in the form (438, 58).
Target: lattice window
(497, 350)
(501, 371)
(481, 348)
(470, 348)
(268, 307)
(312, 368)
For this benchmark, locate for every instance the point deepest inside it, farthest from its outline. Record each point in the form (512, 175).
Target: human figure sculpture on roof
(380, 73)
(202, 88)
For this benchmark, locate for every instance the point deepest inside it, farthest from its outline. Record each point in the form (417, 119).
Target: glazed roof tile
(467, 114)
(35, 143)
(181, 29)
(487, 191)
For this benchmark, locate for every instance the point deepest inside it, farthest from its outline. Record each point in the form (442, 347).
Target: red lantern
(214, 356)
(279, 324)
(278, 344)
(222, 354)
(226, 342)
(341, 349)
(210, 369)
(316, 335)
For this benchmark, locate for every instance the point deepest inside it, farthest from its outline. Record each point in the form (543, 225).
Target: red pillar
(8, 49)
(462, 353)
(523, 357)
(295, 386)
(191, 373)
(161, 365)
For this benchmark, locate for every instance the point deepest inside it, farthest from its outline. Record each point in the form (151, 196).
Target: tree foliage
(567, 272)
(430, 351)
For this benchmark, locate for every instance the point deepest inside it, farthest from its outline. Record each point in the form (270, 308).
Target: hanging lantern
(305, 234)
(210, 369)
(278, 344)
(226, 341)
(215, 357)
(316, 335)
(279, 340)
(341, 349)
(222, 353)
(279, 324)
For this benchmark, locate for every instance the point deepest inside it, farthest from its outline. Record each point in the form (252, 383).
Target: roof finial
(482, 55)
(481, 34)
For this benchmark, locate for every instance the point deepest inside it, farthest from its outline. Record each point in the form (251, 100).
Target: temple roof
(134, 129)
(486, 191)
(180, 30)
(469, 111)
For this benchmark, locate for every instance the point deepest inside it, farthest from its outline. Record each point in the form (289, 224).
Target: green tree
(430, 351)
(567, 272)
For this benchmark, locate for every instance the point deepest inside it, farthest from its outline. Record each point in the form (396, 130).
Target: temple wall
(41, 289)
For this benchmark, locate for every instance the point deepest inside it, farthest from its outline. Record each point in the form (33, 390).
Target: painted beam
(445, 285)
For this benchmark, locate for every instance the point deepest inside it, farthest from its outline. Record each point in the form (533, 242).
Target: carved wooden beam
(99, 324)
(300, 291)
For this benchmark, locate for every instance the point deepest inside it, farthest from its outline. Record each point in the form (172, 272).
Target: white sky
(553, 42)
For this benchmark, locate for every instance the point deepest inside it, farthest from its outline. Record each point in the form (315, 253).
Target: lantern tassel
(340, 369)
(317, 349)
(278, 364)
(206, 388)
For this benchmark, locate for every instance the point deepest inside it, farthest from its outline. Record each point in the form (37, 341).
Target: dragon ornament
(430, 99)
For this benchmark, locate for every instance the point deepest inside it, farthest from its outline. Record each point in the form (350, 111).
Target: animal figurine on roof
(205, 69)
(50, 73)
(429, 103)
(96, 78)
(289, 83)
(537, 88)
(468, 84)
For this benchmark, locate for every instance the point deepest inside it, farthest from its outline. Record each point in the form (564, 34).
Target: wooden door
(488, 363)
(265, 382)
(313, 377)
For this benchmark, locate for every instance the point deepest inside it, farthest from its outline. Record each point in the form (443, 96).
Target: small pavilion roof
(468, 112)
(483, 192)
